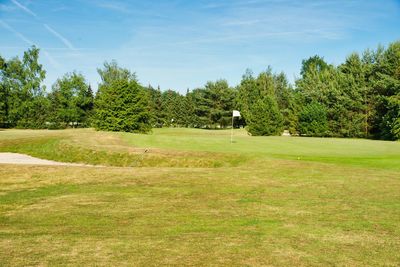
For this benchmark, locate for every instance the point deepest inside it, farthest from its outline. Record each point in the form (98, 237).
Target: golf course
(182, 197)
(200, 133)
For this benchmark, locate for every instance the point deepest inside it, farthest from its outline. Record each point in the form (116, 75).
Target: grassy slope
(88, 146)
(361, 152)
(266, 211)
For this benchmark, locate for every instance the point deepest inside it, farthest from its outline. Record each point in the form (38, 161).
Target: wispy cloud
(7, 8)
(234, 4)
(115, 6)
(52, 61)
(25, 39)
(218, 37)
(308, 21)
(66, 42)
(60, 8)
(18, 34)
(141, 9)
(287, 35)
(24, 8)
(241, 22)
(58, 35)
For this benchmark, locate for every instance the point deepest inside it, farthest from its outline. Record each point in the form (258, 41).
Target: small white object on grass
(286, 133)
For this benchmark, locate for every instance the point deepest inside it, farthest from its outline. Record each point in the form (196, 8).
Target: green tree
(354, 117)
(21, 89)
(85, 103)
(265, 117)
(221, 99)
(71, 100)
(315, 63)
(386, 84)
(286, 99)
(313, 120)
(211, 106)
(155, 104)
(173, 109)
(189, 109)
(3, 94)
(247, 94)
(121, 104)
(201, 108)
(325, 86)
(258, 101)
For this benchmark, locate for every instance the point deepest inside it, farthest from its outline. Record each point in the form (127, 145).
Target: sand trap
(16, 158)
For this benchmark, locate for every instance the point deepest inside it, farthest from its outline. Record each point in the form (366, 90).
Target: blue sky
(183, 44)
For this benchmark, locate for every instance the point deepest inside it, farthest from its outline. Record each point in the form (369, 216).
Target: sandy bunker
(16, 158)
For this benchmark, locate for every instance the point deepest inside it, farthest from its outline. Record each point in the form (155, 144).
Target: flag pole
(235, 113)
(232, 130)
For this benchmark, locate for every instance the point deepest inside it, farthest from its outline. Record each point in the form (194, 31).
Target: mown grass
(264, 211)
(174, 147)
(359, 152)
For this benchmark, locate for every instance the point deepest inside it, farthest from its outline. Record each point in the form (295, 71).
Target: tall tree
(173, 108)
(202, 118)
(121, 104)
(155, 104)
(386, 84)
(190, 109)
(22, 90)
(258, 101)
(353, 83)
(211, 106)
(322, 85)
(286, 99)
(71, 100)
(265, 117)
(247, 94)
(3, 94)
(315, 63)
(221, 102)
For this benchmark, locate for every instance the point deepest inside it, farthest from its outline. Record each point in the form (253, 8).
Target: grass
(259, 206)
(87, 146)
(361, 152)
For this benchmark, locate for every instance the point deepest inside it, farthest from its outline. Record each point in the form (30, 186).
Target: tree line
(358, 98)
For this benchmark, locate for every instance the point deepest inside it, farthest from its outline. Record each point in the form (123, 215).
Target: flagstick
(232, 130)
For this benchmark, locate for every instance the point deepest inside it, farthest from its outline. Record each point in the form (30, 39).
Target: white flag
(236, 113)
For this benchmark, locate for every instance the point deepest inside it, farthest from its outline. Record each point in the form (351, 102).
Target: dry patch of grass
(282, 213)
(252, 210)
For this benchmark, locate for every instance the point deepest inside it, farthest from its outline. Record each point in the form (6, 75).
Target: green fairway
(368, 153)
(193, 148)
(190, 197)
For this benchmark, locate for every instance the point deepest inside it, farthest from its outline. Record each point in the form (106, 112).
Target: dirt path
(16, 158)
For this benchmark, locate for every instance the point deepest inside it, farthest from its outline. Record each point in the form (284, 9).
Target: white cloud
(18, 34)
(64, 40)
(114, 6)
(7, 8)
(24, 8)
(25, 39)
